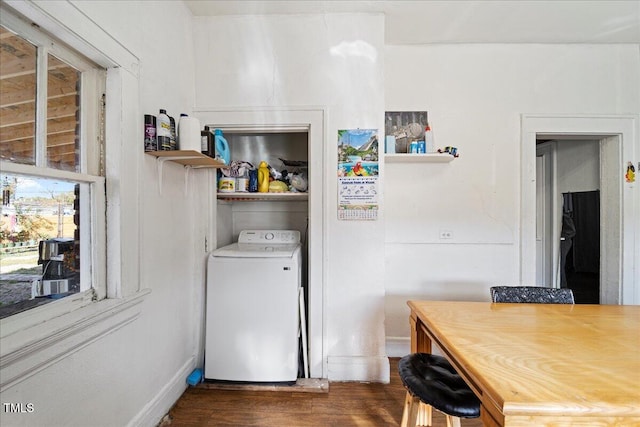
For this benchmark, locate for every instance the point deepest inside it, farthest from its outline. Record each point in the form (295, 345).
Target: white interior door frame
(619, 140)
(547, 226)
(611, 233)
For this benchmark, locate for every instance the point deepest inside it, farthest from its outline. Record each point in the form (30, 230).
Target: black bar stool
(432, 380)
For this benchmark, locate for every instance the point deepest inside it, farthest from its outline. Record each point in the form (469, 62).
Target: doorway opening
(615, 141)
(568, 200)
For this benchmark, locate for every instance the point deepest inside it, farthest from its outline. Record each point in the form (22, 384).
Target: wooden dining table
(539, 364)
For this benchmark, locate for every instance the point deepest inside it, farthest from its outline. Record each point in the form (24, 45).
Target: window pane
(63, 117)
(17, 98)
(39, 242)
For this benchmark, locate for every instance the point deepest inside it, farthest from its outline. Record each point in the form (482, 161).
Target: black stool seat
(435, 382)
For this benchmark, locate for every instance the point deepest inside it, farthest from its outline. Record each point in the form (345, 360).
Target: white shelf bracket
(186, 178)
(160, 162)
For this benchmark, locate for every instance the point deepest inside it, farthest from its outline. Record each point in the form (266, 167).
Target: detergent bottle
(263, 178)
(222, 147)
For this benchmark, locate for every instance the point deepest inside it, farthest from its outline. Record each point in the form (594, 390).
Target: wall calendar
(358, 174)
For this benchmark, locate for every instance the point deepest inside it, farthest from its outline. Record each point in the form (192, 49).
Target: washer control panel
(269, 236)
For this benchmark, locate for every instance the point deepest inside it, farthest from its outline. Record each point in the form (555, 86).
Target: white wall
(578, 166)
(134, 374)
(333, 62)
(475, 95)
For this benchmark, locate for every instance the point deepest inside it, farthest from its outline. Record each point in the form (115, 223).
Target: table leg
(420, 341)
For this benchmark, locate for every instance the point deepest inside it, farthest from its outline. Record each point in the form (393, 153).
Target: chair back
(532, 294)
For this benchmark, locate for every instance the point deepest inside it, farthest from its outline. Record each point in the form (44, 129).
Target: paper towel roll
(189, 134)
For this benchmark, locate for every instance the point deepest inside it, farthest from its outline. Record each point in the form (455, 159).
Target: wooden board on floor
(308, 385)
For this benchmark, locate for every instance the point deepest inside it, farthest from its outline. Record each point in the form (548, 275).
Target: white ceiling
(479, 21)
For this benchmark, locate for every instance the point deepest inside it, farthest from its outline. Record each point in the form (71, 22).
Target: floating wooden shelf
(418, 158)
(250, 197)
(187, 158)
(190, 159)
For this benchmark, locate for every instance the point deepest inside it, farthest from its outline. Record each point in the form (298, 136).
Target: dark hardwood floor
(346, 404)
(584, 284)
(585, 287)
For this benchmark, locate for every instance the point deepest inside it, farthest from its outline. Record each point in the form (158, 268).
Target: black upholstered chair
(432, 380)
(532, 294)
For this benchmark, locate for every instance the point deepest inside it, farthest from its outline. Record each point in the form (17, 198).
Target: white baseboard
(398, 346)
(151, 414)
(401, 346)
(358, 368)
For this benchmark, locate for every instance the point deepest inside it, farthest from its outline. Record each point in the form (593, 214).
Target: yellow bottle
(263, 178)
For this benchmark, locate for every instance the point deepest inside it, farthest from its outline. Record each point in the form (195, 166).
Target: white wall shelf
(249, 197)
(418, 158)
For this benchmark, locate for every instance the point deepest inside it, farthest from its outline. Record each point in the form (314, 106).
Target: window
(52, 173)
(33, 340)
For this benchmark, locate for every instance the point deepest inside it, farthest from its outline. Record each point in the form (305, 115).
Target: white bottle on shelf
(189, 133)
(428, 140)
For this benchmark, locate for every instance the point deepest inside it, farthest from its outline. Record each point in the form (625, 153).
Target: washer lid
(252, 250)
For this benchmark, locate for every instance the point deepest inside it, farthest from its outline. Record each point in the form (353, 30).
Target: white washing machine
(252, 308)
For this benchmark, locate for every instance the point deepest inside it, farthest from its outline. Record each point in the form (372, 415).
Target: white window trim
(37, 338)
(92, 228)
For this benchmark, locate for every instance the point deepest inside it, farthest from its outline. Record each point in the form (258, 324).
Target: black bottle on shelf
(207, 142)
(173, 138)
(150, 140)
(163, 131)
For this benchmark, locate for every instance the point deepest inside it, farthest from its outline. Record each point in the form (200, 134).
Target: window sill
(31, 342)
(9, 310)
